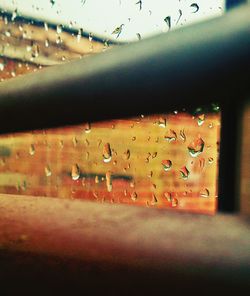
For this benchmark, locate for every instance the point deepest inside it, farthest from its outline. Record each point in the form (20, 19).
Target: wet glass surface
(168, 160)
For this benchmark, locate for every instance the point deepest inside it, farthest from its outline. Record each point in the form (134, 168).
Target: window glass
(163, 161)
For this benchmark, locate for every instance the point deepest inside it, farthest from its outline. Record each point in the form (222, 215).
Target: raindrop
(1, 66)
(35, 51)
(14, 15)
(46, 42)
(109, 181)
(154, 200)
(24, 185)
(126, 154)
(154, 155)
(32, 149)
(117, 31)
(167, 164)
(195, 6)
(61, 144)
(183, 135)
(180, 15)
(202, 163)
(168, 196)
(99, 143)
(132, 184)
(46, 28)
(167, 20)
(172, 136)
(107, 154)
(7, 33)
(59, 29)
(59, 40)
(201, 119)
(196, 147)
(75, 172)
(184, 173)
(150, 175)
(87, 128)
(140, 4)
(87, 155)
(174, 202)
(47, 171)
(210, 160)
(204, 193)
(134, 196)
(153, 186)
(74, 140)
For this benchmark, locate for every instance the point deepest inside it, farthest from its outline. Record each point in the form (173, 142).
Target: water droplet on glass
(74, 140)
(96, 179)
(46, 28)
(7, 33)
(24, 185)
(132, 184)
(107, 154)
(46, 43)
(204, 193)
(126, 154)
(201, 119)
(87, 155)
(168, 196)
(109, 181)
(196, 147)
(1, 66)
(99, 142)
(184, 173)
(167, 164)
(210, 160)
(154, 200)
(47, 171)
(87, 128)
(133, 138)
(150, 175)
(32, 149)
(134, 196)
(154, 155)
(183, 135)
(59, 29)
(172, 136)
(162, 122)
(174, 202)
(61, 144)
(153, 186)
(75, 172)
(35, 51)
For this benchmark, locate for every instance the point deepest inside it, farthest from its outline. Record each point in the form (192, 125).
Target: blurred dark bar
(50, 244)
(234, 3)
(192, 66)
